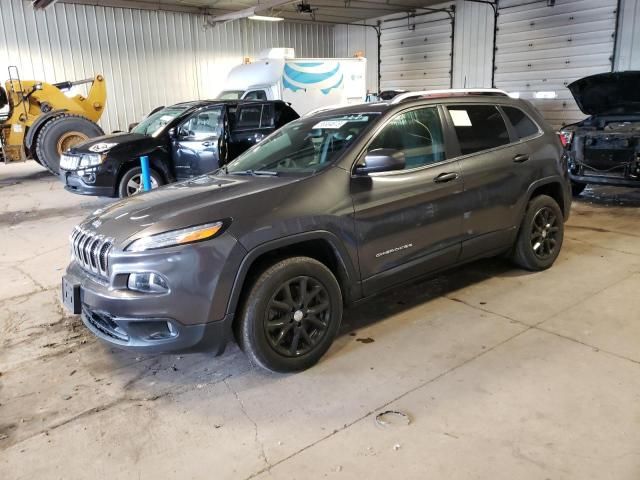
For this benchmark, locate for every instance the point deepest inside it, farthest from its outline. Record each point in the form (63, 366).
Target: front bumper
(191, 316)
(157, 335)
(144, 333)
(102, 185)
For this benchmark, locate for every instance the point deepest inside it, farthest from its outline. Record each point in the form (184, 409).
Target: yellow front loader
(43, 122)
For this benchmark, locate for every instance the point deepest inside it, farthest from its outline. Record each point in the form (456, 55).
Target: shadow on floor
(610, 196)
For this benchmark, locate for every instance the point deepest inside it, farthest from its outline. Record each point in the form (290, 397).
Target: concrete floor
(505, 374)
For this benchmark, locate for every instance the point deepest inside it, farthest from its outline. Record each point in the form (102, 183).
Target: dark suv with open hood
(181, 141)
(330, 209)
(605, 147)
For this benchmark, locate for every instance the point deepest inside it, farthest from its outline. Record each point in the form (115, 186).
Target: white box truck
(305, 83)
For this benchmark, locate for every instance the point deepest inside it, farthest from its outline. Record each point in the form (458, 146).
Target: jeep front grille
(91, 251)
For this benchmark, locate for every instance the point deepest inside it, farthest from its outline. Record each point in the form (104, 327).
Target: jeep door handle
(521, 158)
(446, 177)
(206, 144)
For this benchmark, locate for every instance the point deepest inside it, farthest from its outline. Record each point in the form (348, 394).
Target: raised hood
(616, 93)
(196, 201)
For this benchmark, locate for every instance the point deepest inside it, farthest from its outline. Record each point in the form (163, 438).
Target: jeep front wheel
(291, 315)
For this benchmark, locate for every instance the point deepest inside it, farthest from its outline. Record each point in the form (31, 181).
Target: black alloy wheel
(540, 236)
(544, 233)
(297, 316)
(290, 314)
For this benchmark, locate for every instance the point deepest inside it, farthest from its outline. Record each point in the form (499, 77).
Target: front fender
(347, 270)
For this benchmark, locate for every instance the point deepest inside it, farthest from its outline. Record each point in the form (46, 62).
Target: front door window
(417, 133)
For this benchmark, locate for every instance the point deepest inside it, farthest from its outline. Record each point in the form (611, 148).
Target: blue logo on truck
(323, 76)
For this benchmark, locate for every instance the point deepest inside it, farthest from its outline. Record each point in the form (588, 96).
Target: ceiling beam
(247, 12)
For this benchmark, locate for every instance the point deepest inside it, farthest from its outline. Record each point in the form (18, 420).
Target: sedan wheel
(134, 185)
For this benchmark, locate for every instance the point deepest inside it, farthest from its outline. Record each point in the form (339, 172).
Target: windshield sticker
(331, 124)
(460, 118)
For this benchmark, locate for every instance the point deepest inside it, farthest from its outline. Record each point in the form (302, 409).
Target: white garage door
(541, 49)
(416, 53)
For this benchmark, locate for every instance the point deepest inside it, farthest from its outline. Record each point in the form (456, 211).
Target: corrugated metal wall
(543, 49)
(473, 48)
(148, 58)
(628, 54)
(416, 52)
(350, 39)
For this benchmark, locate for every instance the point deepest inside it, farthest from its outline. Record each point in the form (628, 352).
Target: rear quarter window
(522, 124)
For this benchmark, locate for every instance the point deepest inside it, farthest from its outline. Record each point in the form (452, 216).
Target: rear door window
(478, 127)
(522, 124)
(248, 117)
(267, 119)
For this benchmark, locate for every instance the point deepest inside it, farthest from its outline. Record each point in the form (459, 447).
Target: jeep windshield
(154, 123)
(303, 146)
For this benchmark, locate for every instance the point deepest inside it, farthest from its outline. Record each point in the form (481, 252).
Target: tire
(59, 134)
(262, 344)
(577, 188)
(133, 175)
(541, 234)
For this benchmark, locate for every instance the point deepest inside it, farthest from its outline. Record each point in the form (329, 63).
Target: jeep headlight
(91, 160)
(176, 237)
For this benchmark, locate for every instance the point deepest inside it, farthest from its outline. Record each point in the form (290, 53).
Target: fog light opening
(147, 282)
(155, 330)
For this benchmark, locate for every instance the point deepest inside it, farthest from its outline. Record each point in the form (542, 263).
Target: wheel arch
(320, 245)
(157, 165)
(553, 187)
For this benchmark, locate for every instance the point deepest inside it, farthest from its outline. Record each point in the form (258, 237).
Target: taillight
(565, 138)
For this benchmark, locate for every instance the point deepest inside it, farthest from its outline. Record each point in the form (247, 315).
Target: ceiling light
(265, 19)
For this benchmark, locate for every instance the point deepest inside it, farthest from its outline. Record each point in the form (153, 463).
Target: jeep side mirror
(381, 160)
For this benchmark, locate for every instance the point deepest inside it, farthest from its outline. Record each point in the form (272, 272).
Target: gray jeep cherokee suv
(328, 210)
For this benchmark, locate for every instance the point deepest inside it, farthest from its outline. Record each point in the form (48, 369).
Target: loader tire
(61, 133)
(31, 151)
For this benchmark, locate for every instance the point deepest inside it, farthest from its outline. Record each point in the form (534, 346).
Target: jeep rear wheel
(291, 315)
(540, 236)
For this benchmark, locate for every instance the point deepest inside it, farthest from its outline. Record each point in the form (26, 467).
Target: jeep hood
(130, 142)
(614, 93)
(204, 199)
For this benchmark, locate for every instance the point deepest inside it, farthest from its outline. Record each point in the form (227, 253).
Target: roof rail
(450, 91)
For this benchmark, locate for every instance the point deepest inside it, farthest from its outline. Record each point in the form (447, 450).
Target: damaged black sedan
(605, 147)
(181, 141)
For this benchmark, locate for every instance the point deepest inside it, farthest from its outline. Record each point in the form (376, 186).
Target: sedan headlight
(91, 160)
(176, 237)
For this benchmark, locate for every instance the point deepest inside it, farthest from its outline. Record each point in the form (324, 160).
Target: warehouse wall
(472, 48)
(628, 53)
(350, 39)
(148, 58)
